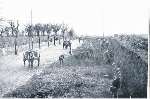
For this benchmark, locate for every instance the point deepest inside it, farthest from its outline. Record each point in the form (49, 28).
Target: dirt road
(13, 73)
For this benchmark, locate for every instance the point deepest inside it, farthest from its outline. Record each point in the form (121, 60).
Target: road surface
(13, 73)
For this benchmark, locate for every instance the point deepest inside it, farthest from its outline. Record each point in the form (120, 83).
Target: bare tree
(7, 29)
(12, 26)
(37, 29)
(43, 29)
(55, 28)
(14, 30)
(71, 33)
(48, 30)
(29, 29)
(64, 29)
(1, 32)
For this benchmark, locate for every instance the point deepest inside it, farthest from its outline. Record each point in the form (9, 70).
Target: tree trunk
(70, 49)
(39, 42)
(32, 42)
(54, 40)
(15, 46)
(43, 34)
(63, 36)
(48, 40)
(7, 34)
(29, 41)
(12, 32)
(79, 40)
(59, 41)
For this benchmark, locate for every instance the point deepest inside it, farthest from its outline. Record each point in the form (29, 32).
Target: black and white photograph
(74, 49)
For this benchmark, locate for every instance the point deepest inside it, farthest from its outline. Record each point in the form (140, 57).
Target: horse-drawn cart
(31, 56)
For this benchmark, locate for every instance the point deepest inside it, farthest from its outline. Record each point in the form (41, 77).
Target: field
(91, 75)
(7, 43)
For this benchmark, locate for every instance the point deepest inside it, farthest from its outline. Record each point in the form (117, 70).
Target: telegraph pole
(16, 35)
(103, 22)
(31, 16)
(31, 29)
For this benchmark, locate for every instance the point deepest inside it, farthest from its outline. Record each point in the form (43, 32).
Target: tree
(43, 29)
(7, 29)
(48, 30)
(12, 26)
(71, 33)
(30, 29)
(14, 30)
(1, 31)
(37, 28)
(55, 28)
(64, 29)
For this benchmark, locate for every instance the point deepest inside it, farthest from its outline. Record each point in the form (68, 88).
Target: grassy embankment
(81, 76)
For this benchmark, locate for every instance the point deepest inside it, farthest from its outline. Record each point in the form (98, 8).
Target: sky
(86, 17)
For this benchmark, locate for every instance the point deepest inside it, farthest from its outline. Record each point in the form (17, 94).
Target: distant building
(115, 35)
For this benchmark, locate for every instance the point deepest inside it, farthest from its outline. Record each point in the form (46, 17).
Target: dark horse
(61, 58)
(67, 44)
(31, 56)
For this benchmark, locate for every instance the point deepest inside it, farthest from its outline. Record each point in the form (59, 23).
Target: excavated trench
(133, 71)
(90, 76)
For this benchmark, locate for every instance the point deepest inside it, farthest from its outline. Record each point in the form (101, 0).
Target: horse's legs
(66, 46)
(70, 50)
(24, 63)
(62, 61)
(32, 63)
(38, 62)
(63, 45)
(29, 63)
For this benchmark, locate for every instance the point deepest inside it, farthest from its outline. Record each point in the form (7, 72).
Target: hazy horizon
(86, 17)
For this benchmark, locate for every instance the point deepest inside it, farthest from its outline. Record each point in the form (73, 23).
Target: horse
(31, 56)
(61, 58)
(66, 44)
